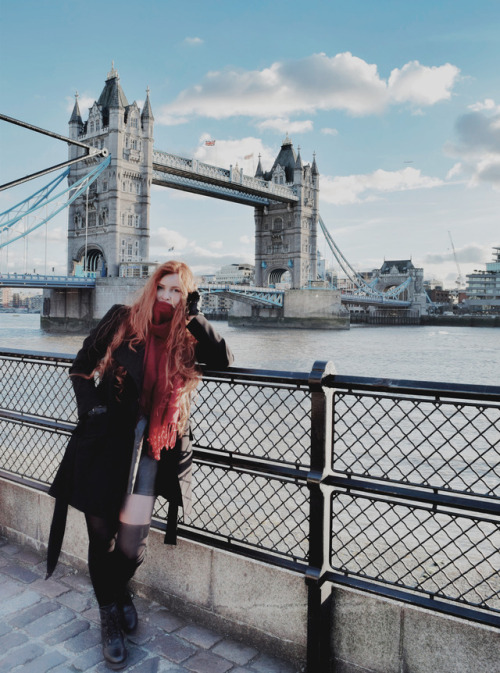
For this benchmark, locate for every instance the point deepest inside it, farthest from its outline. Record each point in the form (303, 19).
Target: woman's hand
(192, 301)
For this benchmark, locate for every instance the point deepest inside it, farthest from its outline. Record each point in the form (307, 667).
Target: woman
(133, 441)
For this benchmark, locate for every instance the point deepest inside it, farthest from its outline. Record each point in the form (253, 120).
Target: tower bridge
(112, 164)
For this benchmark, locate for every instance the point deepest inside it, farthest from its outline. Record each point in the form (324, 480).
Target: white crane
(459, 280)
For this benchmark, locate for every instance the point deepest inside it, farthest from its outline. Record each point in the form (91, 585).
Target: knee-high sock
(102, 535)
(131, 540)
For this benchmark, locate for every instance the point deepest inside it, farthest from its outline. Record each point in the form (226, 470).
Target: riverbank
(468, 320)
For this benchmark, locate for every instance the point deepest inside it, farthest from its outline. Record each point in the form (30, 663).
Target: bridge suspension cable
(41, 199)
(362, 287)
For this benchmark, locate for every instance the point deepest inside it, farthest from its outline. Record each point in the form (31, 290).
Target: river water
(449, 354)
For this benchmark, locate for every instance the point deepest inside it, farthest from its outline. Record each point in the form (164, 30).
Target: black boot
(113, 647)
(127, 612)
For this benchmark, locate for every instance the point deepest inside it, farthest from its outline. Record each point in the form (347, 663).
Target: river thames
(450, 354)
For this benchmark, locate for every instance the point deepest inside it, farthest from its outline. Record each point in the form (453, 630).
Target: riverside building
(483, 287)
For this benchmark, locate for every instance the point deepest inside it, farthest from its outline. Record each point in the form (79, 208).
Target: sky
(398, 101)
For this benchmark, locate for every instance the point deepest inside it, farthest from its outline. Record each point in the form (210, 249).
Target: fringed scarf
(160, 397)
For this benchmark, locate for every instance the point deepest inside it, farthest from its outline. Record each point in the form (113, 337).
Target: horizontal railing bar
(20, 354)
(195, 535)
(249, 464)
(37, 421)
(472, 503)
(24, 481)
(420, 600)
(232, 373)
(408, 387)
(237, 375)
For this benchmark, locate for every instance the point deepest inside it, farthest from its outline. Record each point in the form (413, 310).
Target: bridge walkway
(53, 625)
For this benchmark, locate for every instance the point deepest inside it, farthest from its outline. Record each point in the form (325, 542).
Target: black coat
(93, 474)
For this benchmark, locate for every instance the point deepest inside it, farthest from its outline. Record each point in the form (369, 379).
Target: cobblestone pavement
(53, 625)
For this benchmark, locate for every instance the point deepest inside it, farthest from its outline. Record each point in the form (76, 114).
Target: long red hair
(180, 344)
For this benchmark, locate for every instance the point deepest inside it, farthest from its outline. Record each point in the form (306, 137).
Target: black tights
(117, 548)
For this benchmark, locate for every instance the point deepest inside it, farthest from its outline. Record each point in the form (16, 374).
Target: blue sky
(400, 102)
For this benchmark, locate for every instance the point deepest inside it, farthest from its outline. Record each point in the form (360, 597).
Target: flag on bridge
(210, 143)
(248, 156)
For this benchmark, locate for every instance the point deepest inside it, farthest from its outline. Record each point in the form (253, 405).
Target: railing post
(318, 603)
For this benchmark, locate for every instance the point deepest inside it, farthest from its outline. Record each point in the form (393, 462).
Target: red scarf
(160, 398)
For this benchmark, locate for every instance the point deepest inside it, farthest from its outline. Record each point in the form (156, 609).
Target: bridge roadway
(191, 175)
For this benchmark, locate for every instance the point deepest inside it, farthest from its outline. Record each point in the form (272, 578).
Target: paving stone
(172, 648)
(235, 652)
(62, 570)
(50, 587)
(144, 633)
(45, 663)
(166, 620)
(84, 640)
(67, 631)
(267, 664)
(9, 588)
(157, 665)
(31, 614)
(77, 581)
(206, 662)
(4, 629)
(20, 657)
(11, 549)
(29, 556)
(19, 572)
(199, 636)
(150, 665)
(49, 622)
(19, 602)
(12, 639)
(92, 614)
(76, 601)
(88, 659)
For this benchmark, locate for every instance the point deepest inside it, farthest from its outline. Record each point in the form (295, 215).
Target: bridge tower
(109, 224)
(286, 235)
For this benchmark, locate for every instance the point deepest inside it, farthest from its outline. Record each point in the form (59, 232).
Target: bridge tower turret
(109, 224)
(286, 235)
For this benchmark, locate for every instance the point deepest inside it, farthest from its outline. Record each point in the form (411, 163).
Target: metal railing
(390, 487)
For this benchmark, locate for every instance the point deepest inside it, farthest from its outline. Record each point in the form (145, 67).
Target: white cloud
(84, 103)
(247, 240)
(284, 125)
(478, 146)
(472, 253)
(487, 104)
(231, 152)
(193, 41)
(421, 85)
(317, 82)
(163, 238)
(329, 132)
(356, 188)
(216, 245)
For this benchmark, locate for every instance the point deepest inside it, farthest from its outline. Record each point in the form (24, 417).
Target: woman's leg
(131, 539)
(102, 534)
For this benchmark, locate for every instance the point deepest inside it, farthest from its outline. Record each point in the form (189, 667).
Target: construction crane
(459, 280)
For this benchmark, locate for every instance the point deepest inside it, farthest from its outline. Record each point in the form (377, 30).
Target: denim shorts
(146, 475)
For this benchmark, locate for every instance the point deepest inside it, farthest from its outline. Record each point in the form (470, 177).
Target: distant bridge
(248, 294)
(34, 280)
